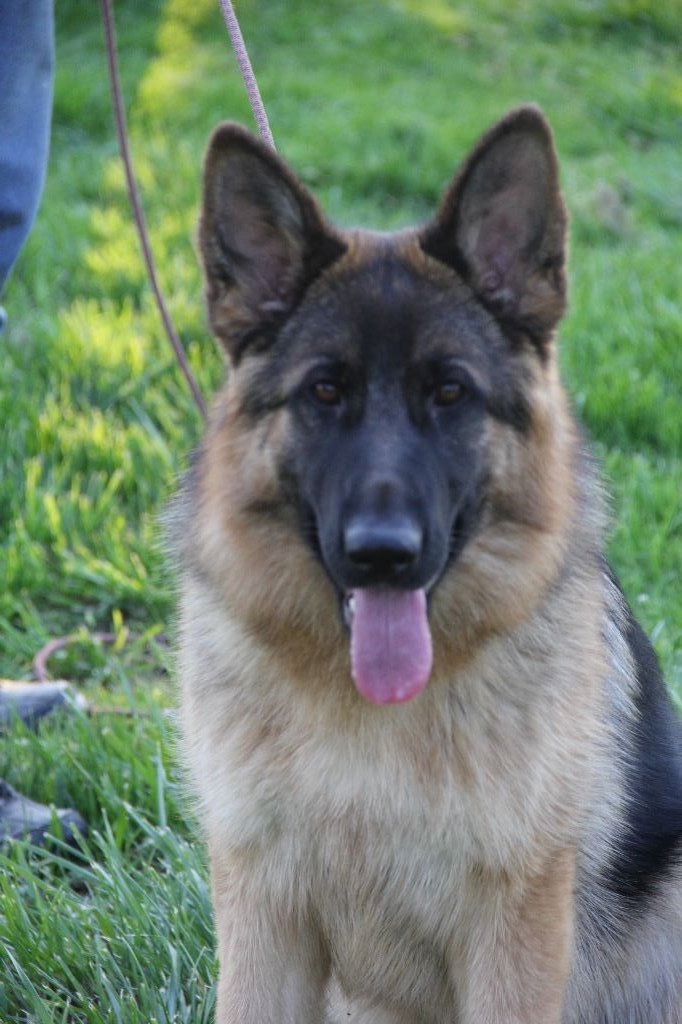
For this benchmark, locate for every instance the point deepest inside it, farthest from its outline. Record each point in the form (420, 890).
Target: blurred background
(374, 104)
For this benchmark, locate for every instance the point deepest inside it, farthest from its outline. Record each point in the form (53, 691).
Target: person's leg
(26, 75)
(32, 701)
(20, 817)
(26, 79)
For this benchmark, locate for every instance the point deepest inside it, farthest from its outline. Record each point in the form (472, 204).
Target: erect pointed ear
(502, 225)
(261, 235)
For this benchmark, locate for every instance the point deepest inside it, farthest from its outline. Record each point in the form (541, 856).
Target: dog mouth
(390, 637)
(390, 641)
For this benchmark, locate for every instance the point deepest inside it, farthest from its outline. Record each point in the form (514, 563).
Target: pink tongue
(390, 644)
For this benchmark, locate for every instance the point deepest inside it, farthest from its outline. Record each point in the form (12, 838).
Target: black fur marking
(260, 401)
(466, 524)
(513, 410)
(652, 844)
(518, 331)
(256, 340)
(388, 449)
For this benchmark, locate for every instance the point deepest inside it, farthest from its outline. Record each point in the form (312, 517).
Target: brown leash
(248, 77)
(43, 656)
(136, 204)
(253, 93)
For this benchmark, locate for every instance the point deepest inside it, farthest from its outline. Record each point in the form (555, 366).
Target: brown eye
(448, 393)
(326, 392)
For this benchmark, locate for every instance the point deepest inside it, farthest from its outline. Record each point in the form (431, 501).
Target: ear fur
(262, 238)
(502, 225)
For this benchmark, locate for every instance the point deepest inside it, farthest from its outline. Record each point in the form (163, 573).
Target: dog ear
(502, 225)
(261, 235)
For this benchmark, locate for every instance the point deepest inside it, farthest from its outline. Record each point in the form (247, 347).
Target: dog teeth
(349, 609)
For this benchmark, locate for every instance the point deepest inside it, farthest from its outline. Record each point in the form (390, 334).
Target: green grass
(374, 104)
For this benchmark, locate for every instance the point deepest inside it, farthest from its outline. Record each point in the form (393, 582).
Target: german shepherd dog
(437, 766)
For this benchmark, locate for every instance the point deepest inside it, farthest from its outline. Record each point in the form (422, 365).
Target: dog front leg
(273, 967)
(519, 956)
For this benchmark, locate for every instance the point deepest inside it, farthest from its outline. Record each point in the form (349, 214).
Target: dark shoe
(21, 818)
(32, 701)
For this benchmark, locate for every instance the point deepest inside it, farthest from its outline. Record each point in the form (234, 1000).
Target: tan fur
(272, 731)
(412, 864)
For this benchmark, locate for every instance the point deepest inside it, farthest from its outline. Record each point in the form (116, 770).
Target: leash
(248, 77)
(261, 118)
(42, 657)
(42, 675)
(136, 204)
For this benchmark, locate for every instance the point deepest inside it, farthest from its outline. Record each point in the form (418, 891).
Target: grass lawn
(374, 104)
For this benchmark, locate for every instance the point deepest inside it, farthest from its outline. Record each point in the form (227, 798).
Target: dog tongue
(390, 644)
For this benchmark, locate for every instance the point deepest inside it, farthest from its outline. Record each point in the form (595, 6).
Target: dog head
(400, 378)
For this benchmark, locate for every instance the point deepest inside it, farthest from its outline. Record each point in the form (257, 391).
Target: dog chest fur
(391, 827)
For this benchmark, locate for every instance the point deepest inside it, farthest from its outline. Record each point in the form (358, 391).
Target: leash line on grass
(261, 118)
(42, 675)
(136, 204)
(248, 76)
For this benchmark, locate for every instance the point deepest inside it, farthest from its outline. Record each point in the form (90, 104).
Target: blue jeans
(26, 75)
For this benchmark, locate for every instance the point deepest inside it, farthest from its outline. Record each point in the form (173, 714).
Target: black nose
(382, 548)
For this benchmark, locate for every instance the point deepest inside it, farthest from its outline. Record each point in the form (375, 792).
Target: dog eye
(448, 393)
(326, 392)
